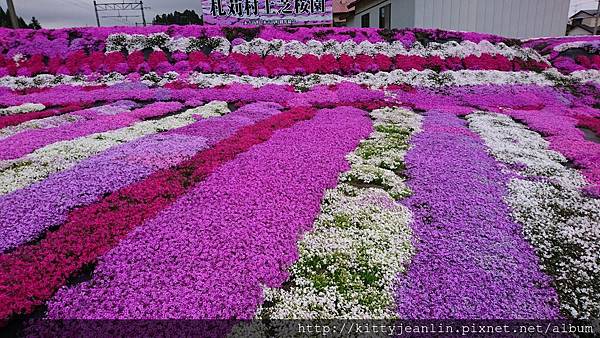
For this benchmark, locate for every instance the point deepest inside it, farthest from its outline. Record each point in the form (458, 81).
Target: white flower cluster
(359, 243)
(18, 58)
(162, 41)
(590, 46)
(351, 48)
(34, 167)
(560, 222)
(153, 79)
(24, 108)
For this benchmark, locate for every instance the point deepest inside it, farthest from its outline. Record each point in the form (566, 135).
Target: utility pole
(96, 10)
(597, 16)
(144, 17)
(13, 15)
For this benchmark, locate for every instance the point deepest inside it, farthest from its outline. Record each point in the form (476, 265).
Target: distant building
(342, 9)
(512, 18)
(582, 23)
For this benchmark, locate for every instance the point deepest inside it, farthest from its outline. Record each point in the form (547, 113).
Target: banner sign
(267, 12)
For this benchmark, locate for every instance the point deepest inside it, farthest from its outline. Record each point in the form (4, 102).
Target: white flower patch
(510, 142)
(34, 167)
(162, 41)
(349, 262)
(560, 222)
(586, 75)
(367, 175)
(153, 79)
(359, 243)
(24, 108)
(18, 58)
(425, 78)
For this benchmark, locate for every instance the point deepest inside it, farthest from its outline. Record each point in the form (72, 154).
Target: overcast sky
(72, 13)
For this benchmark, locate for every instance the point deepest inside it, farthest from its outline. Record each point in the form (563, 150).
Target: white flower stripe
(162, 41)
(34, 167)
(560, 222)
(22, 109)
(360, 241)
(425, 78)
(590, 46)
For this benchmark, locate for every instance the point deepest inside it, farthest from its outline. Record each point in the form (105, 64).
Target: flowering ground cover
(269, 173)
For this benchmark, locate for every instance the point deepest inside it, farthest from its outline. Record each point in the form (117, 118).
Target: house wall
(372, 8)
(589, 21)
(513, 18)
(403, 13)
(578, 31)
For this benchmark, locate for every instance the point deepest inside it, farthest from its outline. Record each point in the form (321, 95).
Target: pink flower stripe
(282, 94)
(271, 193)
(25, 142)
(257, 65)
(32, 273)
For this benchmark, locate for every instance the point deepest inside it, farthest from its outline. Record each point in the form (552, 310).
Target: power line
(77, 4)
(118, 7)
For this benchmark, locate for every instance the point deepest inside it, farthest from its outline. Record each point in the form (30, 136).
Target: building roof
(588, 12)
(343, 6)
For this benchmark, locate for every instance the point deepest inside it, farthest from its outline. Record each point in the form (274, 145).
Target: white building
(512, 18)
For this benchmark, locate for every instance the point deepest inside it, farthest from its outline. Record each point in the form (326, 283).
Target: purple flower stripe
(26, 213)
(209, 254)
(472, 260)
(25, 142)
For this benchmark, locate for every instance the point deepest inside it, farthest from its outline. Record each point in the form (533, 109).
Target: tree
(5, 21)
(188, 17)
(35, 24)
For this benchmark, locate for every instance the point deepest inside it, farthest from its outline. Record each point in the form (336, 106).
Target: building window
(385, 16)
(365, 20)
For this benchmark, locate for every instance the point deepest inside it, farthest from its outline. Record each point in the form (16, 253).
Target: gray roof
(589, 12)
